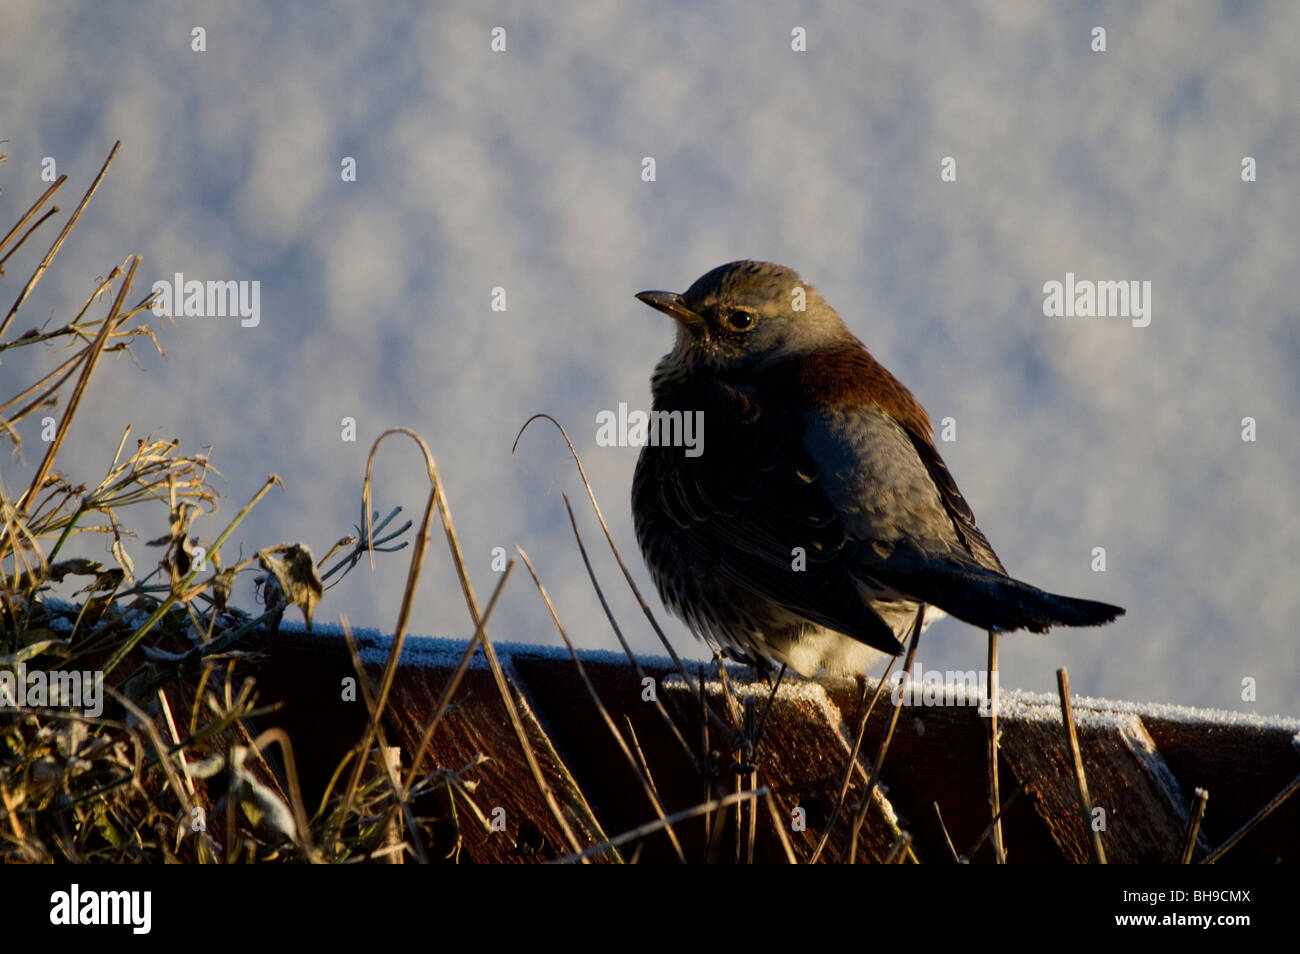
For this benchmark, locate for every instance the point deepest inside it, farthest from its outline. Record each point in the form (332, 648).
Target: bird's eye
(741, 320)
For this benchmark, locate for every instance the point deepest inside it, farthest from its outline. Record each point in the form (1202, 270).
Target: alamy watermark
(947, 687)
(196, 299)
(79, 689)
(133, 909)
(1082, 298)
(635, 428)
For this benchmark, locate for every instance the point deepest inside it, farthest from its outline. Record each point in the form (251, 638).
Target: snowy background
(522, 169)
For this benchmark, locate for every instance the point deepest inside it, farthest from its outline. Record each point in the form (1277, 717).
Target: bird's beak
(670, 303)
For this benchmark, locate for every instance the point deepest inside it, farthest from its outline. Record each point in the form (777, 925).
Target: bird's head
(747, 314)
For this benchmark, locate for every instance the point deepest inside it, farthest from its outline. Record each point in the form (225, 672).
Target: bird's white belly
(818, 648)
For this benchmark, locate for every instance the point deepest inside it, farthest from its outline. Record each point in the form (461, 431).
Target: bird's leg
(748, 738)
(771, 698)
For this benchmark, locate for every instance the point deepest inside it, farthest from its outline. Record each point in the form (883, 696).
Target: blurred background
(522, 169)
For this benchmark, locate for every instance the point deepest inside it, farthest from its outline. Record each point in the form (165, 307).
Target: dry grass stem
(1080, 778)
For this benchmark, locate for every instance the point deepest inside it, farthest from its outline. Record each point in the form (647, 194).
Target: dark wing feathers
(750, 499)
(849, 376)
(756, 494)
(963, 518)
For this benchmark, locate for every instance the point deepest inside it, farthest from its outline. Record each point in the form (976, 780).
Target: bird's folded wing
(753, 506)
(963, 518)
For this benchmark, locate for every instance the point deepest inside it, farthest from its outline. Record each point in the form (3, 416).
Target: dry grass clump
(161, 762)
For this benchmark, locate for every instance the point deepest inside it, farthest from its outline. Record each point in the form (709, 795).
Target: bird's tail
(991, 600)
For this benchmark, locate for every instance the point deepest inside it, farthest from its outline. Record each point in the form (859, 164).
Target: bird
(816, 525)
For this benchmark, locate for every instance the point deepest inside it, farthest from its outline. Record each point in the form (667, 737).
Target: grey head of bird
(745, 315)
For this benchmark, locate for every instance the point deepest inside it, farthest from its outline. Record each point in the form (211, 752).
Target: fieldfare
(819, 517)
